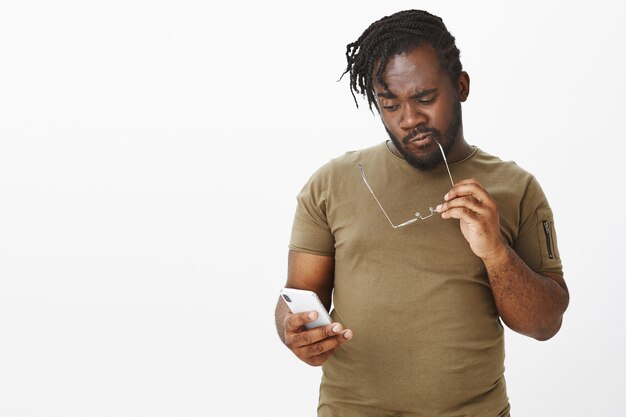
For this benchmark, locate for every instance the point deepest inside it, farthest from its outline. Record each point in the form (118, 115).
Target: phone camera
(286, 297)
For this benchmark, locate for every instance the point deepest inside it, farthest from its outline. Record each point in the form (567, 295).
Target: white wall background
(150, 154)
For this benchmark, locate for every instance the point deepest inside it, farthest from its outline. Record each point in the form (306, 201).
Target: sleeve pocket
(547, 238)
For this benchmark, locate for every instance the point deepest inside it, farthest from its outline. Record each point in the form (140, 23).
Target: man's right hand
(313, 346)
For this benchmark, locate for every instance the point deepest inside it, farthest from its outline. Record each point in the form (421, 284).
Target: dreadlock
(392, 35)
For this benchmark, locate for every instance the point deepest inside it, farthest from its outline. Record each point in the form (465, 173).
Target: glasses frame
(417, 215)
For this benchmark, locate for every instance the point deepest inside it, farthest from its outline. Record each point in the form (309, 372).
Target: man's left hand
(479, 218)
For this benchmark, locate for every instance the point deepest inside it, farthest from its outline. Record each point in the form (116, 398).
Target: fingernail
(438, 208)
(312, 315)
(336, 328)
(348, 334)
(445, 197)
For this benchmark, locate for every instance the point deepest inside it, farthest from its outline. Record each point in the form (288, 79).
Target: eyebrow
(422, 93)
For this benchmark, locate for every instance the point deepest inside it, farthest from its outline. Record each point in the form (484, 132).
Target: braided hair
(392, 35)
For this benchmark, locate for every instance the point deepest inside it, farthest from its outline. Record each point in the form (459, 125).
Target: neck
(460, 150)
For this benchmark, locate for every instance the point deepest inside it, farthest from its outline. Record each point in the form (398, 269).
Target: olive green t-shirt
(427, 336)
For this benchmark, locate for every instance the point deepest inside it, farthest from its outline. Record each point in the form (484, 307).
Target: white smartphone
(300, 301)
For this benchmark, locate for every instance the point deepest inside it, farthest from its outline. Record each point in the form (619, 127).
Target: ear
(463, 86)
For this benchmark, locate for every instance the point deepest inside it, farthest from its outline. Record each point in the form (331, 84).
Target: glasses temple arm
(445, 161)
(378, 202)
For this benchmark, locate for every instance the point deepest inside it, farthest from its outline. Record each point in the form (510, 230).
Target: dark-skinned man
(422, 244)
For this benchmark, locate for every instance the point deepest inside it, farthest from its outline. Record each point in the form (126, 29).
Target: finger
(320, 359)
(467, 181)
(324, 346)
(460, 190)
(468, 187)
(295, 322)
(469, 202)
(462, 213)
(308, 337)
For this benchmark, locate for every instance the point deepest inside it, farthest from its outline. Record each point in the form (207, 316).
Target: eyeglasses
(418, 216)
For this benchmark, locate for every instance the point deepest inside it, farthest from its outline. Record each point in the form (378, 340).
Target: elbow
(543, 336)
(538, 330)
(547, 332)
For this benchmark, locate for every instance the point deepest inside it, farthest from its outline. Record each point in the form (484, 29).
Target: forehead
(413, 70)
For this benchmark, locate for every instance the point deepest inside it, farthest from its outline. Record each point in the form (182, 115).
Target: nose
(411, 117)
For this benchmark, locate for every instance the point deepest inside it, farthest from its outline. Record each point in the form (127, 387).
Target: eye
(426, 100)
(391, 107)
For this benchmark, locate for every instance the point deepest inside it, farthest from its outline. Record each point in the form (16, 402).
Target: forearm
(306, 272)
(279, 315)
(528, 302)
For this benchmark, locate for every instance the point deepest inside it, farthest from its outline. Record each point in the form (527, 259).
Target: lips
(419, 138)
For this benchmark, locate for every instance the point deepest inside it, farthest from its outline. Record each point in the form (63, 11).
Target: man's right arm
(314, 346)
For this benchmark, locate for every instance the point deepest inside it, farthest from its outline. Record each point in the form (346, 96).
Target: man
(419, 268)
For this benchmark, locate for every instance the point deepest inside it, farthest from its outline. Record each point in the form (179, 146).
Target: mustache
(420, 131)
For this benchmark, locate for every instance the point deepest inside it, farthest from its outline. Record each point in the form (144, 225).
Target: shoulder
(507, 178)
(348, 162)
(492, 162)
(493, 169)
(351, 158)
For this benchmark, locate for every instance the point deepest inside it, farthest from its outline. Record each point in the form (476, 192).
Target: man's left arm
(528, 302)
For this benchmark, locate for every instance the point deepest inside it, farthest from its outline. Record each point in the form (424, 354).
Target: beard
(446, 139)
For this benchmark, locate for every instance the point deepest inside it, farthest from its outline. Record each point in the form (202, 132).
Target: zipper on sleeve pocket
(546, 229)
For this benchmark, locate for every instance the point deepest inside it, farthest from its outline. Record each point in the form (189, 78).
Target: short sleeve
(537, 244)
(311, 232)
